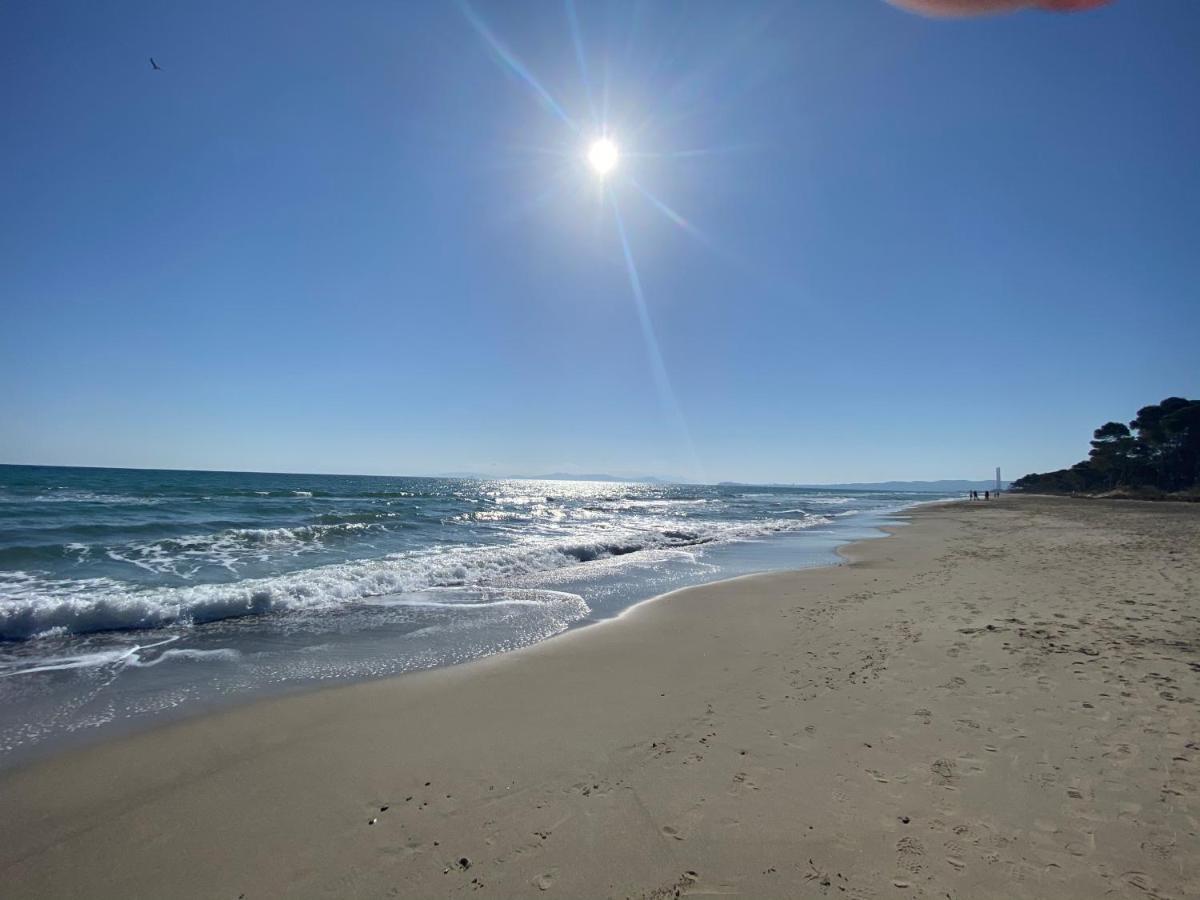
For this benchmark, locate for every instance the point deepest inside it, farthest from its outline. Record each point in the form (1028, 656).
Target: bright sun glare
(602, 156)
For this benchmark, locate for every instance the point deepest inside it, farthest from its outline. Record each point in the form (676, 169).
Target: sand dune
(998, 701)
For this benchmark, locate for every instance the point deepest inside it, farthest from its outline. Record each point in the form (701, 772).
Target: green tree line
(1159, 449)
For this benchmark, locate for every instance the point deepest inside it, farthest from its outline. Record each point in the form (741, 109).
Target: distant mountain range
(948, 485)
(640, 479)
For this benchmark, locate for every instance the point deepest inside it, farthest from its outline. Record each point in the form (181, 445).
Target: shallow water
(128, 594)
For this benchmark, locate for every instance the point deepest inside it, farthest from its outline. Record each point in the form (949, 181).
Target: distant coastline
(916, 487)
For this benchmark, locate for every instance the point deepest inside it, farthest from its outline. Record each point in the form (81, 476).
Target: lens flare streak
(692, 154)
(672, 215)
(662, 380)
(509, 59)
(577, 40)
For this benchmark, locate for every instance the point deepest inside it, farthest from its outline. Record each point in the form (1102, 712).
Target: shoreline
(755, 735)
(875, 526)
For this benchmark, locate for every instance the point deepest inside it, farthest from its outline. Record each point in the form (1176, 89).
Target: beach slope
(997, 701)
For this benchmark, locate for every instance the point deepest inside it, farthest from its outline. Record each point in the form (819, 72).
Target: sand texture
(998, 701)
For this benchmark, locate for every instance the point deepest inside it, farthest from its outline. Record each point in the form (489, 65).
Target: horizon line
(556, 476)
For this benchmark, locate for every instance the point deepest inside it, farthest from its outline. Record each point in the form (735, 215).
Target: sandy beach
(999, 700)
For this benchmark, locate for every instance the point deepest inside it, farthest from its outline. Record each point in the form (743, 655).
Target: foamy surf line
(129, 656)
(80, 608)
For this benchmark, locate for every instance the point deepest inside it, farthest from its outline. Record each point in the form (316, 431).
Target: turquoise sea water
(130, 593)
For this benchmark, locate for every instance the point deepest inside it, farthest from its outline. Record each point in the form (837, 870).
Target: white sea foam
(97, 606)
(139, 656)
(65, 495)
(58, 664)
(183, 556)
(456, 598)
(186, 654)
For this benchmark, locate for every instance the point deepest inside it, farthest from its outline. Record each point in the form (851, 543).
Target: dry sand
(998, 701)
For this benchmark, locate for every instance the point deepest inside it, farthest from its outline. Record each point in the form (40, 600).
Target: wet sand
(997, 701)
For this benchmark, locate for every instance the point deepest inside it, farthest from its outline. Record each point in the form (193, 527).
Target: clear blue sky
(350, 238)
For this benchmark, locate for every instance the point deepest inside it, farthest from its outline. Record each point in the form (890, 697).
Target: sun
(603, 156)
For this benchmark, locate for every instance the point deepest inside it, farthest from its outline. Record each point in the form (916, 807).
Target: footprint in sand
(1129, 811)
(1078, 848)
(545, 881)
(1159, 844)
(972, 764)
(741, 779)
(1139, 880)
(1047, 779)
(954, 848)
(672, 832)
(911, 854)
(943, 769)
(1120, 752)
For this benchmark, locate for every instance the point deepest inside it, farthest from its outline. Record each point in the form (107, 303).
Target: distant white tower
(997, 479)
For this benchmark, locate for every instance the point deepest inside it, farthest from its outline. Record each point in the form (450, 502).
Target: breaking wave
(30, 605)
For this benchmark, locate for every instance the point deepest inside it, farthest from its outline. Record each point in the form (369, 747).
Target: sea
(129, 596)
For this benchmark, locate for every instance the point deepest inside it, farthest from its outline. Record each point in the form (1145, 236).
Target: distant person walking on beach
(987, 495)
